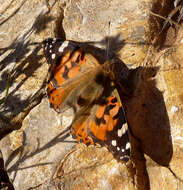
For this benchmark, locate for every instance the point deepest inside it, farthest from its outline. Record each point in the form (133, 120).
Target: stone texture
(34, 151)
(91, 168)
(22, 31)
(89, 21)
(40, 155)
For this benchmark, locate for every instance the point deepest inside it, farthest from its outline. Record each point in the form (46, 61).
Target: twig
(166, 19)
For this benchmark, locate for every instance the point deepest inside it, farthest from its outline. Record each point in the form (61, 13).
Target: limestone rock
(40, 155)
(91, 168)
(22, 70)
(32, 153)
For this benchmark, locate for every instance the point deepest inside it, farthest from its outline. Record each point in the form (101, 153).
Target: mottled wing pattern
(106, 125)
(77, 80)
(70, 70)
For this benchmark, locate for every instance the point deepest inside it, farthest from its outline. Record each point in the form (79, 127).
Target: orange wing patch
(77, 80)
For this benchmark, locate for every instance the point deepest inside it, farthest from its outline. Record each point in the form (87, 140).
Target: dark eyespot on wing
(99, 121)
(114, 100)
(108, 108)
(120, 115)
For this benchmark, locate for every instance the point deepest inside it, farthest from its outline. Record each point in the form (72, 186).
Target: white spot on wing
(118, 148)
(53, 56)
(113, 142)
(50, 51)
(122, 150)
(64, 45)
(120, 132)
(54, 40)
(127, 145)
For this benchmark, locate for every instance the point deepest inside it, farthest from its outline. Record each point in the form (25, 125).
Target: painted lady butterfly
(79, 81)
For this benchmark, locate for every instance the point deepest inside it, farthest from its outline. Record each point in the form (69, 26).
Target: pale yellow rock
(38, 151)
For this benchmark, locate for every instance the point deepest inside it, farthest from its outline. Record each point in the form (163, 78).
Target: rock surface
(40, 155)
(20, 60)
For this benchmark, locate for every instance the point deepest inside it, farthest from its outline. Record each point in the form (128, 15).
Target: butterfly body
(78, 80)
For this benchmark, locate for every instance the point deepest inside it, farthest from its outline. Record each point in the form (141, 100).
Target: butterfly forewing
(77, 80)
(70, 72)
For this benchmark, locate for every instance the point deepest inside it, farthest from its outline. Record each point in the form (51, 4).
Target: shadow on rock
(21, 60)
(148, 119)
(22, 153)
(149, 123)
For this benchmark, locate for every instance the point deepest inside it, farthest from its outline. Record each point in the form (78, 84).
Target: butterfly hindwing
(106, 125)
(77, 80)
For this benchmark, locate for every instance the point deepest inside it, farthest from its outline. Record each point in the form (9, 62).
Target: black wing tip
(47, 40)
(125, 158)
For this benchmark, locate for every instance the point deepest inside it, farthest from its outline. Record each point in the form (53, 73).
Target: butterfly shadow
(148, 122)
(148, 118)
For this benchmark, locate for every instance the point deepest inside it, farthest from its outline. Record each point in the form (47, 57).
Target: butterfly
(77, 80)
